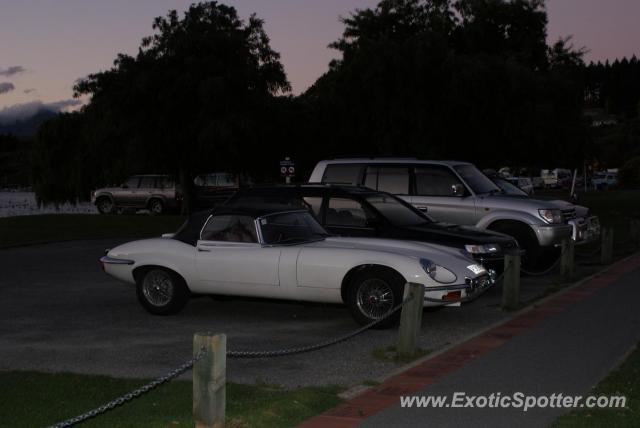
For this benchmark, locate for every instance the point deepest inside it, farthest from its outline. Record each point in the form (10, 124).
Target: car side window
(230, 228)
(147, 182)
(314, 203)
(345, 212)
(434, 181)
(164, 183)
(344, 174)
(132, 182)
(390, 179)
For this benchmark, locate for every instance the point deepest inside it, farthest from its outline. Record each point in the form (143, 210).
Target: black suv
(360, 211)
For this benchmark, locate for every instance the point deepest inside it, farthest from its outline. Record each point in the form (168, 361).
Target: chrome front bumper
(549, 235)
(585, 230)
(472, 289)
(115, 261)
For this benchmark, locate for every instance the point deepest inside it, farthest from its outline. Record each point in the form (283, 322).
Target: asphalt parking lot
(60, 312)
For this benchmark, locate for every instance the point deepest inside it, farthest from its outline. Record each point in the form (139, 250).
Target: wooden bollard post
(567, 259)
(634, 232)
(410, 320)
(209, 380)
(511, 281)
(606, 252)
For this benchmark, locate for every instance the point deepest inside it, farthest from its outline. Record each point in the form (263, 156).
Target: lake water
(24, 203)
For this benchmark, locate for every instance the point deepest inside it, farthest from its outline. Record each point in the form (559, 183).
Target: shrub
(629, 175)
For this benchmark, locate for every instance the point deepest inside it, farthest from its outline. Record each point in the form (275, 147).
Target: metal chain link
(544, 272)
(308, 348)
(133, 394)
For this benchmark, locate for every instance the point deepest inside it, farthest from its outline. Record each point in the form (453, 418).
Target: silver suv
(156, 193)
(457, 192)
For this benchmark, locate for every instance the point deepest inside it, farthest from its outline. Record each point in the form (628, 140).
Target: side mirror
(457, 190)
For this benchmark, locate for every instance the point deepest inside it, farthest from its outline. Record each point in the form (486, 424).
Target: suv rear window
(390, 179)
(343, 174)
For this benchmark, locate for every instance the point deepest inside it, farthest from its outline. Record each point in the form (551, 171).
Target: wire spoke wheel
(158, 288)
(375, 298)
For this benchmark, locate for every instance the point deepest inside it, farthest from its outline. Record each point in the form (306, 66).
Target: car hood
(453, 235)
(522, 204)
(439, 254)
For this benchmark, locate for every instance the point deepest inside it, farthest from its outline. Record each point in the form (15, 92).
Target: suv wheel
(156, 207)
(531, 259)
(105, 205)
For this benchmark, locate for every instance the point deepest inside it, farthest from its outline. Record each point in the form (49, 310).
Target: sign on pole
(287, 169)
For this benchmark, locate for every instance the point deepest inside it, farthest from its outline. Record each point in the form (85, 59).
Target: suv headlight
(551, 216)
(438, 273)
(482, 249)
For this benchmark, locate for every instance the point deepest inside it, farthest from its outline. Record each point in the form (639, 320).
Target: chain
(544, 272)
(133, 394)
(301, 349)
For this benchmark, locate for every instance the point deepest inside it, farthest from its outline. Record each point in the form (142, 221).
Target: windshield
(396, 211)
(290, 228)
(509, 189)
(478, 182)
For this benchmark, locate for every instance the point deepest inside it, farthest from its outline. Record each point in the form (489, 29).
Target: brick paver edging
(414, 378)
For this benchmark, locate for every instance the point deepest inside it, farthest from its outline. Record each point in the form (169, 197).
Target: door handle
(422, 208)
(204, 250)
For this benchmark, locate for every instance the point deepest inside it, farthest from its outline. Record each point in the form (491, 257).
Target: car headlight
(482, 249)
(438, 273)
(551, 216)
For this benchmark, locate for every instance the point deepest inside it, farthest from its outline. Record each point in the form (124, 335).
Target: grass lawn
(61, 227)
(31, 399)
(622, 381)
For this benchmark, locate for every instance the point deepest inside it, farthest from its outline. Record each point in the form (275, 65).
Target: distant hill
(28, 127)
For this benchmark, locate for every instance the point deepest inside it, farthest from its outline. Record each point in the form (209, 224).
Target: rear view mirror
(457, 190)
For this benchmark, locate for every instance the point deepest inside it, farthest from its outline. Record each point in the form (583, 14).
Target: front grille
(569, 214)
(478, 283)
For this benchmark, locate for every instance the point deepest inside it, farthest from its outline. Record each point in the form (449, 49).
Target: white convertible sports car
(270, 253)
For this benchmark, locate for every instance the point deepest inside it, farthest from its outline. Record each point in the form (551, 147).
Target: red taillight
(452, 295)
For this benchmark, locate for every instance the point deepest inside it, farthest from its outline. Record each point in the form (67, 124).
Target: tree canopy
(190, 101)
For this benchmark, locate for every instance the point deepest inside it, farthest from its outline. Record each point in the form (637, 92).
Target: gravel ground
(60, 312)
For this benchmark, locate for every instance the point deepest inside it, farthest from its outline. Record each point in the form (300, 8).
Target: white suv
(457, 192)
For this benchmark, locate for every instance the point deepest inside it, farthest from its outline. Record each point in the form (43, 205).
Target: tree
(191, 100)
(468, 79)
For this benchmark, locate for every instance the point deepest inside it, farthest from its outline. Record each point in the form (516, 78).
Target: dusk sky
(45, 45)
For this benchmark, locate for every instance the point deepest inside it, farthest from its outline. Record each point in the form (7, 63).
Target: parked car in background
(457, 192)
(538, 182)
(522, 183)
(556, 178)
(604, 180)
(153, 192)
(214, 188)
(273, 252)
(362, 212)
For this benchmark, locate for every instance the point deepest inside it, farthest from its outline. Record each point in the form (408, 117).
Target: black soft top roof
(189, 232)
